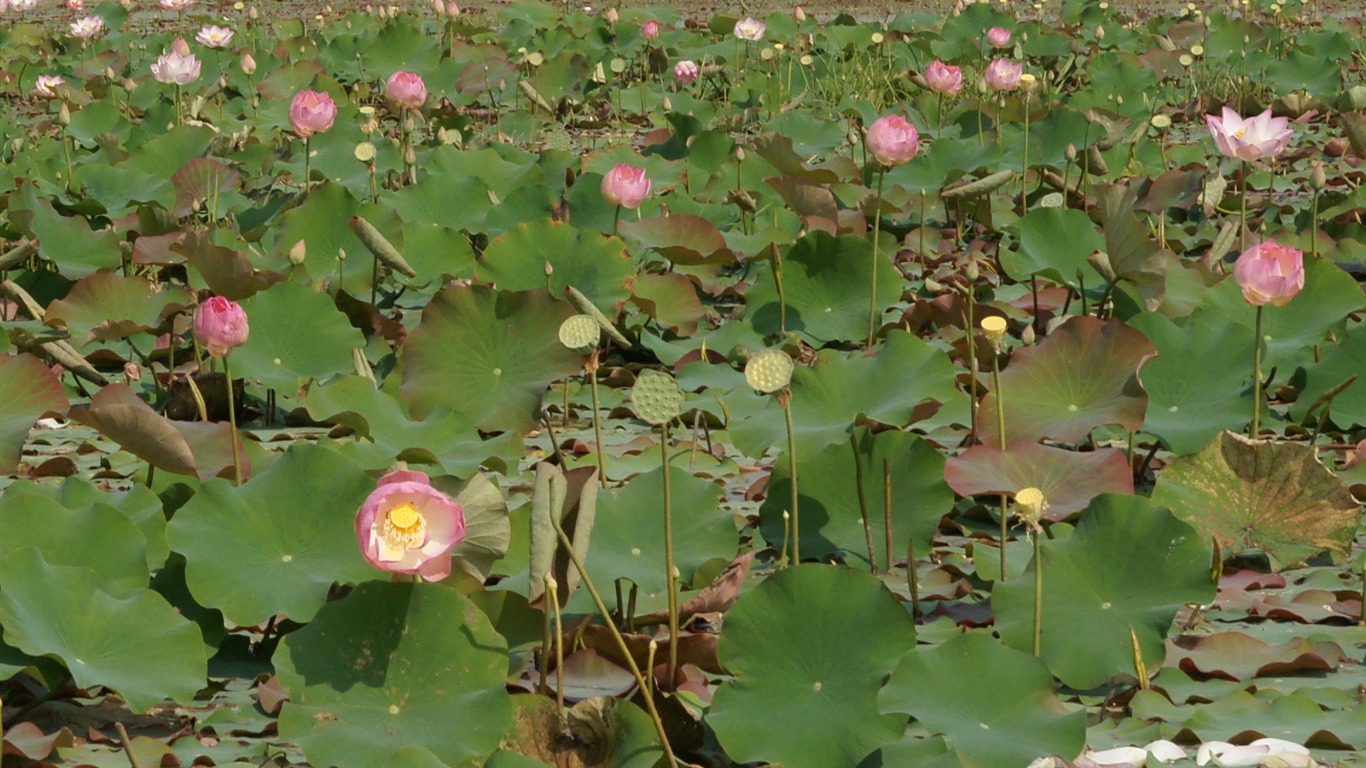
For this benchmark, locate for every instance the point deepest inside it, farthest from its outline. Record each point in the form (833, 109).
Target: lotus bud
(1071, 153)
(668, 105)
(739, 154)
(220, 326)
(132, 371)
(1317, 177)
(1027, 335)
(252, 13)
(1100, 260)
(933, 286)
(973, 271)
(799, 14)
(64, 114)
(298, 252)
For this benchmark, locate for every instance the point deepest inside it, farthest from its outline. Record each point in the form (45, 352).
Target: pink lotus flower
(46, 85)
(406, 89)
(75, 5)
(1250, 139)
(998, 37)
(649, 30)
(176, 5)
(87, 27)
(179, 67)
(892, 140)
(248, 65)
(686, 72)
(626, 186)
(611, 16)
(407, 526)
(312, 112)
(1003, 74)
(798, 14)
(221, 326)
(1269, 273)
(213, 36)
(750, 28)
(944, 78)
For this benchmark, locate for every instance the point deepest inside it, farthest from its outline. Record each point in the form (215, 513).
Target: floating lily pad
(809, 648)
(1082, 376)
(432, 676)
(1129, 566)
(136, 643)
(29, 389)
(1068, 479)
(995, 705)
(488, 355)
(277, 544)
(1268, 496)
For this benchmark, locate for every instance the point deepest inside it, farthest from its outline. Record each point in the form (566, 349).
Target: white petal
(1210, 749)
(1165, 751)
(1242, 757)
(1281, 746)
(1118, 756)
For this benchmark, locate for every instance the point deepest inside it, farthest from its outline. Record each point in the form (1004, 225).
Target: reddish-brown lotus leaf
(228, 272)
(1245, 579)
(1236, 656)
(1068, 479)
(685, 240)
(28, 389)
(806, 198)
(586, 674)
(29, 740)
(670, 299)
(1082, 376)
(1311, 606)
(199, 181)
(716, 597)
(184, 448)
(108, 305)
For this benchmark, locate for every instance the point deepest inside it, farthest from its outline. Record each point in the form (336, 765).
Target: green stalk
(597, 423)
(1001, 433)
(621, 642)
(1038, 591)
(971, 326)
(616, 219)
(559, 645)
(1257, 376)
(877, 231)
(785, 400)
(232, 422)
(307, 163)
(672, 575)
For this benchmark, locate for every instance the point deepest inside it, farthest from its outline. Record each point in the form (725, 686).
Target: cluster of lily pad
(955, 388)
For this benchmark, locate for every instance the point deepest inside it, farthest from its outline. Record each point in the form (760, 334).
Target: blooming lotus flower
(46, 85)
(1269, 273)
(312, 112)
(649, 30)
(686, 72)
(892, 140)
(87, 27)
(23, 5)
(406, 89)
(178, 67)
(213, 36)
(407, 526)
(221, 326)
(750, 28)
(176, 5)
(998, 37)
(75, 5)
(1250, 139)
(626, 186)
(1003, 74)
(944, 78)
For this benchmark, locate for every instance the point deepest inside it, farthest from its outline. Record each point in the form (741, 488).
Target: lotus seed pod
(580, 333)
(1030, 505)
(656, 397)
(994, 328)
(768, 370)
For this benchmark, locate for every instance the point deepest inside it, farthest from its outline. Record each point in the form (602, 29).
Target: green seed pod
(768, 370)
(580, 333)
(656, 397)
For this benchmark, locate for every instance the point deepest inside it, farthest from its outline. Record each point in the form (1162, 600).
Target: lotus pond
(542, 385)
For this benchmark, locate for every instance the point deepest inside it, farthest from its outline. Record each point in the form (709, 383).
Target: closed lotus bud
(1027, 335)
(64, 114)
(740, 154)
(248, 64)
(221, 326)
(298, 252)
(799, 14)
(1317, 177)
(1100, 260)
(1071, 153)
(972, 272)
(132, 371)
(252, 13)
(933, 286)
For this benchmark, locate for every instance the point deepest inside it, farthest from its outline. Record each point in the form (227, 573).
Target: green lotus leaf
(1273, 497)
(1189, 404)
(1055, 243)
(277, 544)
(283, 353)
(135, 644)
(320, 223)
(1130, 565)
(826, 282)
(595, 264)
(96, 536)
(1342, 362)
(432, 677)
(830, 518)
(1082, 376)
(488, 355)
(29, 389)
(107, 305)
(1068, 479)
(809, 648)
(995, 705)
(142, 508)
(68, 242)
(906, 380)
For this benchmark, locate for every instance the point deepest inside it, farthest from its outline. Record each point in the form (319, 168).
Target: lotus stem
(1242, 220)
(591, 371)
(785, 401)
(971, 325)
(1038, 590)
(232, 424)
(621, 642)
(308, 161)
(672, 570)
(877, 231)
(553, 589)
(778, 281)
(912, 578)
(1257, 393)
(863, 504)
(544, 667)
(1024, 168)
(616, 220)
(887, 510)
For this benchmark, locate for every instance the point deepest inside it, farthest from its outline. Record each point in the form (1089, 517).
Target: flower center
(404, 527)
(1238, 134)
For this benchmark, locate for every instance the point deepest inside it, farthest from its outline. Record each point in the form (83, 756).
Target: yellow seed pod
(994, 328)
(768, 370)
(1030, 504)
(365, 152)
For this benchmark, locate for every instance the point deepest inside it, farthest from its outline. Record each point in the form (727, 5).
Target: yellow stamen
(404, 527)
